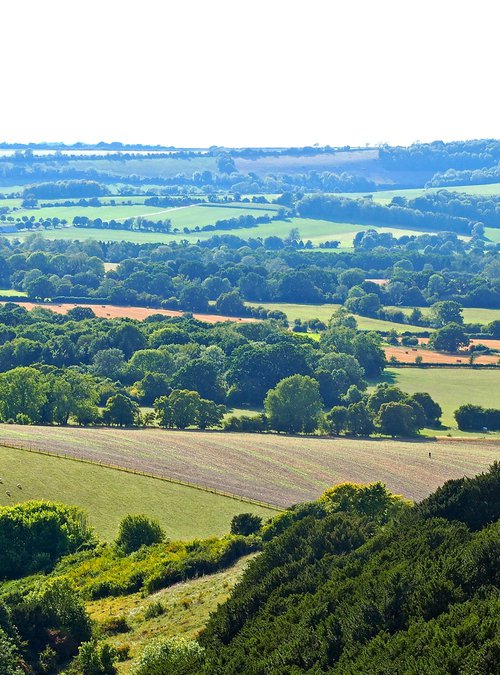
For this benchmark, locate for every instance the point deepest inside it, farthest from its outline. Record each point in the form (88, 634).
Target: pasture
(273, 468)
(470, 314)
(324, 313)
(430, 356)
(108, 495)
(450, 387)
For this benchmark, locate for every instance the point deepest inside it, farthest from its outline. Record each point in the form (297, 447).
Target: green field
(385, 196)
(493, 234)
(108, 495)
(470, 314)
(324, 312)
(6, 292)
(450, 387)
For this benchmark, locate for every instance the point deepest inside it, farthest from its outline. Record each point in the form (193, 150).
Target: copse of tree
(450, 338)
(184, 408)
(35, 534)
(373, 500)
(366, 211)
(294, 405)
(65, 188)
(432, 410)
(471, 417)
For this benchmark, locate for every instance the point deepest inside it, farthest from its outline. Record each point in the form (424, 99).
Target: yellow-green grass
(324, 312)
(493, 234)
(108, 495)
(187, 607)
(450, 387)
(274, 468)
(471, 314)
(6, 292)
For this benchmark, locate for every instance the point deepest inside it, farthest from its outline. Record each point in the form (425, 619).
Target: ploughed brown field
(273, 468)
(119, 312)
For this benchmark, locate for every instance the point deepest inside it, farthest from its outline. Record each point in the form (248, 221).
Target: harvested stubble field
(120, 312)
(281, 470)
(409, 354)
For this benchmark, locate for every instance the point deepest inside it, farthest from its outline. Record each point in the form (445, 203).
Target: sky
(195, 73)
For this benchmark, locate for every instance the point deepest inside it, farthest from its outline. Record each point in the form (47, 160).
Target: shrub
(245, 524)
(33, 535)
(137, 531)
(170, 656)
(96, 659)
(153, 610)
(115, 625)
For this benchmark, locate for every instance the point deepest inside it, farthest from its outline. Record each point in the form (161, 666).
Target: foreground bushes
(338, 593)
(35, 534)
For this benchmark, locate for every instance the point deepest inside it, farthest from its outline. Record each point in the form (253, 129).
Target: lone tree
(294, 405)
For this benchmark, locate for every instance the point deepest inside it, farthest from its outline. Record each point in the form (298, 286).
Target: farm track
(280, 470)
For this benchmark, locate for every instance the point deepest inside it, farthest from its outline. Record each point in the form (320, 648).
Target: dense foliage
(330, 595)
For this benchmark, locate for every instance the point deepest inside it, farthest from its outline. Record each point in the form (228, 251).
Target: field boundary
(13, 445)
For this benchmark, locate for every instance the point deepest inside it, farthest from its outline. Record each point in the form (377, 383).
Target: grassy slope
(450, 387)
(324, 312)
(270, 467)
(108, 495)
(187, 609)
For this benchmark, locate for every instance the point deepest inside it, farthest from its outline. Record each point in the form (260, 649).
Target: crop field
(273, 468)
(108, 495)
(450, 387)
(117, 312)
(324, 312)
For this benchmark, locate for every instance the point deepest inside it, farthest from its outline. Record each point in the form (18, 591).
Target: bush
(137, 531)
(96, 659)
(245, 524)
(153, 610)
(170, 656)
(33, 535)
(115, 625)
(475, 418)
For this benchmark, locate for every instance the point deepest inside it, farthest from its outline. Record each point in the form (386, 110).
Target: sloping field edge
(248, 500)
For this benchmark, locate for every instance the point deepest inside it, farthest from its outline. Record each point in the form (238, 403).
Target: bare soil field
(409, 354)
(118, 312)
(277, 469)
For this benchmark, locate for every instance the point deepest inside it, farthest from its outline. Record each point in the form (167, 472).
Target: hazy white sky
(240, 72)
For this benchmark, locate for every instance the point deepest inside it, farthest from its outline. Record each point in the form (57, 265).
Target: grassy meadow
(108, 495)
(450, 387)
